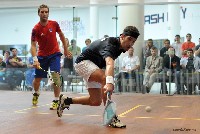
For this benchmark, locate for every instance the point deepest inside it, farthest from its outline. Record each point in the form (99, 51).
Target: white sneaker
(116, 123)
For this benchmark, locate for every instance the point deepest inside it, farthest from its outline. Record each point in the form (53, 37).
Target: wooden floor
(170, 115)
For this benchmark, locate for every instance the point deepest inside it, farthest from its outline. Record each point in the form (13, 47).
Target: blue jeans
(29, 76)
(14, 76)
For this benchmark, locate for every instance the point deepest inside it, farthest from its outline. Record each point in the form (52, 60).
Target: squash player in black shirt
(100, 54)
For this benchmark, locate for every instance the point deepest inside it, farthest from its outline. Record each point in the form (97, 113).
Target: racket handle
(108, 95)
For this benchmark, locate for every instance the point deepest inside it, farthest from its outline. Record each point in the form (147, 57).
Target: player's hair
(131, 31)
(42, 6)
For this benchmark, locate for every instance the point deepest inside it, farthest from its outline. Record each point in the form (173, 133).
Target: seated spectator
(172, 69)
(2, 68)
(29, 74)
(130, 67)
(197, 50)
(191, 67)
(6, 55)
(14, 74)
(154, 65)
(147, 50)
(165, 48)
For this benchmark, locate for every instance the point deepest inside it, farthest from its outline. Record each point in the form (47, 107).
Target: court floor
(170, 114)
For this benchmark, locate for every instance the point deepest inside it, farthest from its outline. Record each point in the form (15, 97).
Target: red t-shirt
(46, 38)
(187, 45)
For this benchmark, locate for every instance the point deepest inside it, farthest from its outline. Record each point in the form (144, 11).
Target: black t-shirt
(100, 49)
(2, 65)
(175, 62)
(163, 52)
(196, 48)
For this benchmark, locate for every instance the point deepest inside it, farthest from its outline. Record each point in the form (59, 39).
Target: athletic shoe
(35, 98)
(116, 123)
(54, 105)
(62, 104)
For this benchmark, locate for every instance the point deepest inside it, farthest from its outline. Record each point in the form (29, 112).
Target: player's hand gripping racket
(55, 77)
(110, 111)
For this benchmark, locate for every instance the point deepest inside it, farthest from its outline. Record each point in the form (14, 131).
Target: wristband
(35, 58)
(109, 79)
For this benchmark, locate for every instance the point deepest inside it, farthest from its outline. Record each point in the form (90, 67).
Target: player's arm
(65, 43)
(109, 73)
(36, 64)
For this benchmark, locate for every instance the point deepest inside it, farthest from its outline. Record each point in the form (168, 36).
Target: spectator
(87, 43)
(130, 67)
(177, 46)
(172, 69)
(74, 49)
(147, 51)
(197, 50)
(188, 44)
(14, 74)
(191, 67)
(153, 67)
(29, 74)
(6, 55)
(165, 48)
(2, 67)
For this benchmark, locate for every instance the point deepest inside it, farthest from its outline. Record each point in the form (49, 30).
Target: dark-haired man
(100, 54)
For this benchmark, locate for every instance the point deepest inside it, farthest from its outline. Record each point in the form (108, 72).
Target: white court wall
(189, 21)
(16, 24)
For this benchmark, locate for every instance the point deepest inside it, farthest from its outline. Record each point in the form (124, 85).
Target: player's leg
(39, 74)
(94, 79)
(94, 84)
(96, 92)
(55, 67)
(36, 85)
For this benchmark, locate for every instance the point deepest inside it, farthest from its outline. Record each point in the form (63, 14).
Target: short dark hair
(131, 31)
(188, 34)
(154, 48)
(73, 41)
(166, 40)
(7, 51)
(190, 49)
(12, 48)
(42, 6)
(88, 40)
(178, 36)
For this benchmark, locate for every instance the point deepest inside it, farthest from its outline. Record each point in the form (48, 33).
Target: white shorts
(85, 68)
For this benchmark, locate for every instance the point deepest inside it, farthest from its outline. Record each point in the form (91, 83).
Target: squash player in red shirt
(48, 54)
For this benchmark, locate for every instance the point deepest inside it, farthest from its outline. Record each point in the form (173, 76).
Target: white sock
(56, 98)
